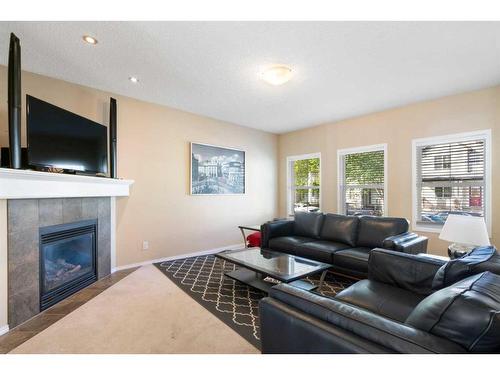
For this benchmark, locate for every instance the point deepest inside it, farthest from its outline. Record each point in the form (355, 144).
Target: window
(443, 192)
(362, 180)
(450, 176)
(304, 176)
(442, 162)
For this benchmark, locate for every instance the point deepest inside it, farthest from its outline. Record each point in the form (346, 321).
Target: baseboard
(180, 256)
(4, 329)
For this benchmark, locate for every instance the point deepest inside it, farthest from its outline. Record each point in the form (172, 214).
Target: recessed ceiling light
(89, 39)
(277, 75)
(133, 79)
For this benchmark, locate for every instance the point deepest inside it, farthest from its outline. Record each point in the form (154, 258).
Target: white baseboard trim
(180, 256)
(4, 329)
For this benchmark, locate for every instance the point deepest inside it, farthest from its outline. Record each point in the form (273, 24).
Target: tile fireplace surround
(30, 200)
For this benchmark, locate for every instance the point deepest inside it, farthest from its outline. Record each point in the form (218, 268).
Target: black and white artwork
(217, 170)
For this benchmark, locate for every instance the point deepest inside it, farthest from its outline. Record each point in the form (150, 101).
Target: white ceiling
(342, 69)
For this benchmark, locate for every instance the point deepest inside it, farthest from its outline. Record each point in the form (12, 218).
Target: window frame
(450, 138)
(289, 185)
(340, 173)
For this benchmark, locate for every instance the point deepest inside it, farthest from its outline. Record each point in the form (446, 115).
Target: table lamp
(465, 233)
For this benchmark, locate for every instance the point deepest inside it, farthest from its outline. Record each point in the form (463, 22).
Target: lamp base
(456, 250)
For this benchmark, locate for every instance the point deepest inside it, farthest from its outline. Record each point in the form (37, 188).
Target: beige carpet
(143, 313)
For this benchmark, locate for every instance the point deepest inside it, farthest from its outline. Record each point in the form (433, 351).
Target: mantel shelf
(25, 184)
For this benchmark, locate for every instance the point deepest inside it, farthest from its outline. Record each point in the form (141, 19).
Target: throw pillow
(457, 269)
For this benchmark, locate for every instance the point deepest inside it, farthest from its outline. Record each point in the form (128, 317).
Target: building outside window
(450, 177)
(443, 192)
(362, 180)
(304, 176)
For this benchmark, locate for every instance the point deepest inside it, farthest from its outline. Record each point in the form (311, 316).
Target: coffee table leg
(321, 280)
(221, 263)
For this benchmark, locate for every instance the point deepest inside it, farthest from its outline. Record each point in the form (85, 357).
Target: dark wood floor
(37, 324)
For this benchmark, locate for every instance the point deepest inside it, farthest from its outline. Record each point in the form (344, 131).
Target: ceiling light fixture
(89, 39)
(133, 79)
(277, 75)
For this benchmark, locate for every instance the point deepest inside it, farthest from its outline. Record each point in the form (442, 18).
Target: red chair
(253, 240)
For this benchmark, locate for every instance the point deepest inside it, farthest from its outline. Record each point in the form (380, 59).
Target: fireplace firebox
(68, 260)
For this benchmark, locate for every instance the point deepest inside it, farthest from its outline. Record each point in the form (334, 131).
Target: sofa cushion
(355, 258)
(319, 250)
(458, 269)
(308, 224)
(374, 230)
(467, 312)
(383, 299)
(286, 244)
(340, 228)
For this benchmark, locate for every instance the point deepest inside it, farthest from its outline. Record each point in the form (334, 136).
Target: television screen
(61, 139)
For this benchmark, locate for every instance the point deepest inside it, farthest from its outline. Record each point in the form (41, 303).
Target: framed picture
(217, 170)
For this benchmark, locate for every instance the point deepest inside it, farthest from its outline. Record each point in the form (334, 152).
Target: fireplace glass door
(68, 260)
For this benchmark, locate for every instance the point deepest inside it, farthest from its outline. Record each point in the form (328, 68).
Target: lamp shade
(467, 230)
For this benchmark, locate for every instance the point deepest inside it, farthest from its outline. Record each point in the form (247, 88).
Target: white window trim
(340, 172)
(289, 159)
(457, 137)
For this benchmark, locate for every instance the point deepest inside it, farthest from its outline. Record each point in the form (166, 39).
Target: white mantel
(24, 184)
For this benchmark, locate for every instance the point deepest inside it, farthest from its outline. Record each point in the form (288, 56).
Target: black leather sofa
(408, 304)
(343, 241)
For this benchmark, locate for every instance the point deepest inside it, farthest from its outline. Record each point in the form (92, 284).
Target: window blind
(451, 179)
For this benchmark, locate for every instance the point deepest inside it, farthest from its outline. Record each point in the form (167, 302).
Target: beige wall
(461, 113)
(153, 149)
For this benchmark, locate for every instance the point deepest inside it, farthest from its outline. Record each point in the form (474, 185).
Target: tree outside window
(362, 176)
(305, 185)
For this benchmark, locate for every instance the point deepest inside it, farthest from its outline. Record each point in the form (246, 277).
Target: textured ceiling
(342, 69)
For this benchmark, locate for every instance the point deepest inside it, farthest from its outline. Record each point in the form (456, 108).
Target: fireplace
(31, 224)
(68, 260)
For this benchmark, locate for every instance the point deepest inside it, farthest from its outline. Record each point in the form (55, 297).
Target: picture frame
(217, 170)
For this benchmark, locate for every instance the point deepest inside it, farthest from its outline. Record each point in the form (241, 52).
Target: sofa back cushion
(308, 224)
(340, 228)
(373, 230)
(458, 269)
(467, 313)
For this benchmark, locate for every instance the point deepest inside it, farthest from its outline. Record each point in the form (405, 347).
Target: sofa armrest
(273, 229)
(285, 329)
(408, 242)
(377, 330)
(407, 271)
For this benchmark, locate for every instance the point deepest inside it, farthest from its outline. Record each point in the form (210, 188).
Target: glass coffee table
(258, 265)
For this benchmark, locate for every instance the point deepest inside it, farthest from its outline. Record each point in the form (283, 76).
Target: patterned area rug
(234, 303)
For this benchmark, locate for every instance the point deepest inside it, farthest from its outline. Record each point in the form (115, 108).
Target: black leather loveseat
(343, 241)
(408, 304)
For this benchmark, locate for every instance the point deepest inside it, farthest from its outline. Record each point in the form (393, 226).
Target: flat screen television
(61, 139)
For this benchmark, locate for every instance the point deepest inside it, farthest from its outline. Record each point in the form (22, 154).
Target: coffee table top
(281, 266)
